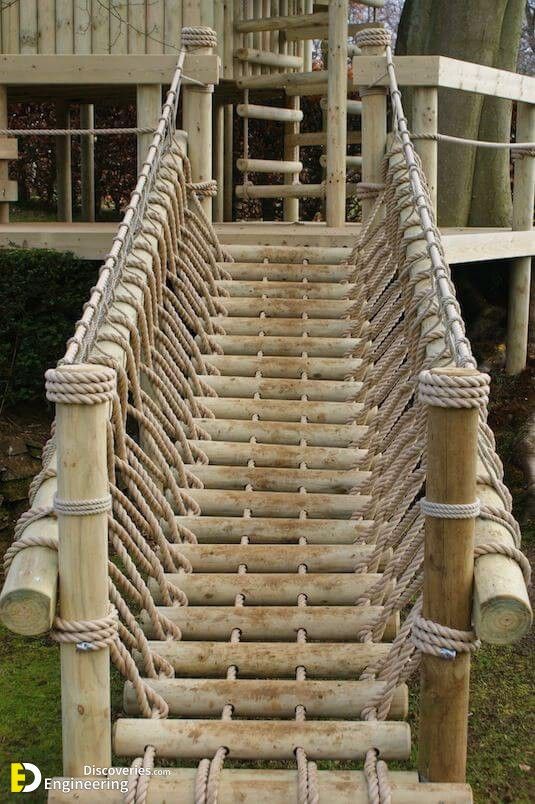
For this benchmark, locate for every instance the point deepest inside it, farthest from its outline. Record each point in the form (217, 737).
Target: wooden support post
(228, 182)
(373, 131)
(448, 580)
(519, 285)
(83, 572)
(149, 108)
(4, 165)
(219, 160)
(336, 114)
(425, 121)
(63, 164)
(291, 154)
(87, 169)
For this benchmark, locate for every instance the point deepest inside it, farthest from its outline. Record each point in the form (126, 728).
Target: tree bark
(474, 185)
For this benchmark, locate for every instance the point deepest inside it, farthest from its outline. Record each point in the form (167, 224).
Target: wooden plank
(232, 477)
(137, 27)
(278, 698)
(84, 69)
(280, 503)
(260, 739)
(28, 32)
(8, 190)
(319, 368)
(274, 530)
(82, 28)
(9, 148)
(266, 388)
(119, 26)
(441, 71)
(173, 26)
(100, 27)
(283, 23)
(285, 345)
(238, 454)
(155, 26)
(64, 31)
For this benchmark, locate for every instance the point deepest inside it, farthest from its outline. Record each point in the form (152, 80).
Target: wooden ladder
(270, 657)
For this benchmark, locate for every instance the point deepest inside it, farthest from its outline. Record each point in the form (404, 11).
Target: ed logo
(21, 781)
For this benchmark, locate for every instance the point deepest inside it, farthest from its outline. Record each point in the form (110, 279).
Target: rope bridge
(265, 450)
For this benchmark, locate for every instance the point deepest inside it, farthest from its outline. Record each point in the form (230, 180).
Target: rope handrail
(79, 344)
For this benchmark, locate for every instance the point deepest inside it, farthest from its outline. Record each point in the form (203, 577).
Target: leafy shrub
(41, 297)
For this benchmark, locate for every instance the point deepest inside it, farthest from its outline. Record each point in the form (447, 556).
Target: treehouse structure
(271, 493)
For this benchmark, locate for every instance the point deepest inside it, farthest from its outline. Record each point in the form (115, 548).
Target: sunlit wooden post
(335, 202)
(63, 164)
(425, 121)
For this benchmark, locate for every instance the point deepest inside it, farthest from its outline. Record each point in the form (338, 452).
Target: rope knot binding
(195, 37)
(373, 37)
(88, 635)
(450, 510)
(440, 640)
(454, 391)
(80, 384)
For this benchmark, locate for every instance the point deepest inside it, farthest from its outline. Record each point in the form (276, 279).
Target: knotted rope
(68, 386)
(451, 391)
(195, 37)
(373, 37)
(88, 635)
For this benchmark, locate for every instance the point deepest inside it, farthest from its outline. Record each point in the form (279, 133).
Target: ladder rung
(281, 115)
(269, 659)
(200, 697)
(319, 368)
(286, 290)
(268, 166)
(353, 107)
(286, 308)
(270, 589)
(275, 530)
(285, 346)
(291, 327)
(281, 410)
(309, 138)
(315, 435)
(239, 454)
(261, 739)
(288, 273)
(326, 390)
(278, 479)
(284, 254)
(279, 503)
(351, 161)
(268, 58)
(295, 190)
(282, 23)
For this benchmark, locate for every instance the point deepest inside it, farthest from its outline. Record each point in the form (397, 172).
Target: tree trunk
(474, 187)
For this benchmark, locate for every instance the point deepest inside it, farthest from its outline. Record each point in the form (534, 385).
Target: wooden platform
(92, 241)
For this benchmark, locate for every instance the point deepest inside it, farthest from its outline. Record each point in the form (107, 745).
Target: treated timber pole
(448, 580)
(83, 558)
(219, 160)
(336, 114)
(87, 170)
(291, 154)
(63, 164)
(228, 183)
(425, 121)
(373, 131)
(149, 108)
(519, 286)
(4, 167)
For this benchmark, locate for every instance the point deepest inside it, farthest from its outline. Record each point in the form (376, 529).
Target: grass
(500, 726)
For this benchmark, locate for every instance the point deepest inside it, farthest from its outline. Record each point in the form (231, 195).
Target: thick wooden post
(83, 567)
(4, 206)
(373, 131)
(425, 121)
(63, 164)
(87, 170)
(291, 154)
(228, 184)
(149, 109)
(337, 114)
(219, 160)
(448, 580)
(519, 284)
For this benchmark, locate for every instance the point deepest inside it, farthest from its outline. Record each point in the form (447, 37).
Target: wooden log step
(273, 787)
(239, 454)
(291, 327)
(269, 588)
(261, 739)
(275, 530)
(287, 346)
(268, 166)
(286, 290)
(354, 162)
(272, 623)
(287, 272)
(353, 107)
(268, 58)
(318, 138)
(286, 558)
(277, 479)
(315, 435)
(316, 368)
(279, 503)
(287, 308)
(255, 112)
(195, 697)
(269, 388)
(282, 23)
(286, 254)
(293, 190)
(281, 410)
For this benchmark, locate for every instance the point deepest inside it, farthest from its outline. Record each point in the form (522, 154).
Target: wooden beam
(148, 109)
(63, 164)
(335, 178)
(105, 69)
(441, 71)
(425, 121)
(87, 168)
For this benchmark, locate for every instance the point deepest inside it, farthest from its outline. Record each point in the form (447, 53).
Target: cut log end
(502, 620)
(27, 611)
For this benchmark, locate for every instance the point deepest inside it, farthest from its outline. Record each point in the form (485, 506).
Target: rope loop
(194, 37)
(373, 37)
(453, 391)
(208, 189)
(368, 189)
(450, 510)
(80, 384)
(88, 635)
(98, 505)
(440, 640)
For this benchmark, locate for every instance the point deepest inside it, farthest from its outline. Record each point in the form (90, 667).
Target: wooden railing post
(373, 130)
(291, 153)
(63, 164)
(149, 109)
(81, 504)
(335, 201)
(519, 283)
(8, 150)
(87, 169)
(452, 434)
(425, 121)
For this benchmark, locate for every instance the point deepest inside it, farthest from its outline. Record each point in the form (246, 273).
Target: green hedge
(41, 296)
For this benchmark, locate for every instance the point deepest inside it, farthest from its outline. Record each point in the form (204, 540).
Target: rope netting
(150, 320)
